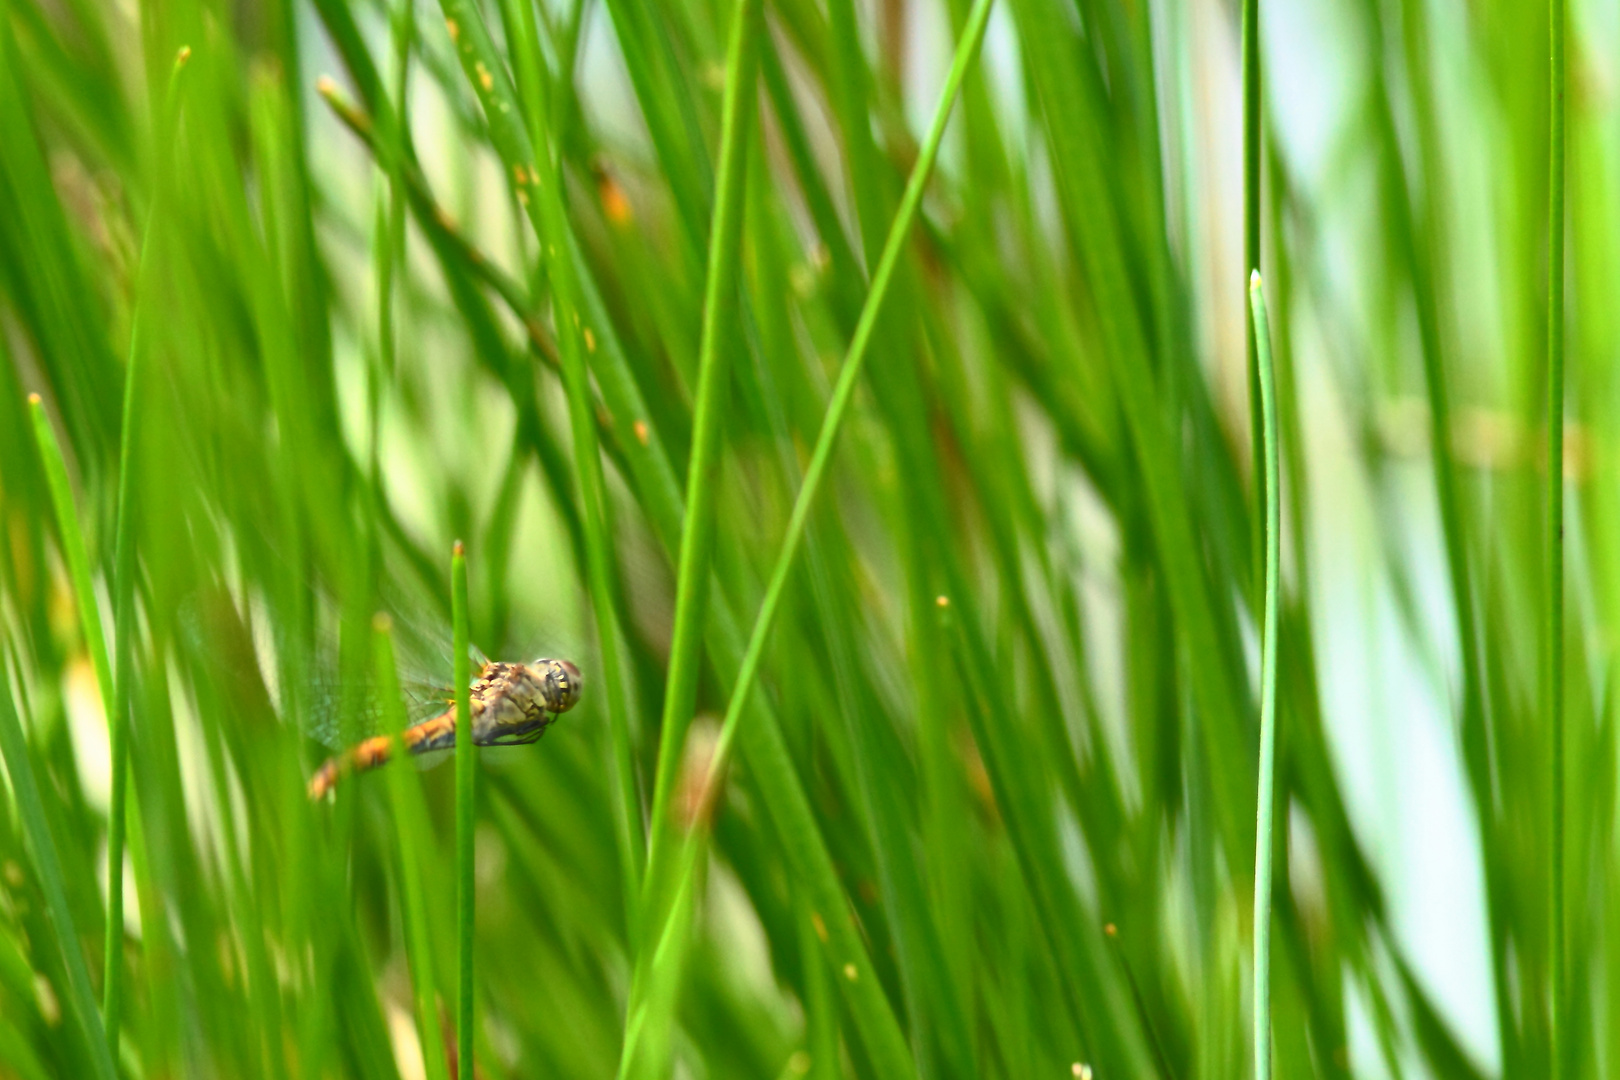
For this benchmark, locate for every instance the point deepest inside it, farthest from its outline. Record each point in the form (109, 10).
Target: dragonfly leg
(524, 738)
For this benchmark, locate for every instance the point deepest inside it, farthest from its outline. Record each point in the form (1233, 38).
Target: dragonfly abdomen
(438, 733)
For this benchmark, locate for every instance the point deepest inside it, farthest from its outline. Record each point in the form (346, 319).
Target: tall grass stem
(967, 48)
(466, 793)
(1554, 674)
(124, 599)
(411, 830)
(1272, 531)
(714, 367)
(849, 373)
(697, 528)
(1251, 233)
(36, 827)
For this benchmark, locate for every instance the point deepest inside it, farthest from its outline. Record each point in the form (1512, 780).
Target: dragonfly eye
(563, 683)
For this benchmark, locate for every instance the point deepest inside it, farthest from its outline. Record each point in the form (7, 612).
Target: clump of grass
(573, 283)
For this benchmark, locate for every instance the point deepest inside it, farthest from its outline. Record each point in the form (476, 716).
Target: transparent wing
(338, 712)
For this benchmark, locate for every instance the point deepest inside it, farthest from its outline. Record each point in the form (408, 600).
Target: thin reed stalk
(410, 830)
(1553, 675)
(698, 526)
(123, 587)
(849, 373)
(1251, 234)
(844, 391)
(466, 796)
(714, 368)
(1271, 528)
(37, 829)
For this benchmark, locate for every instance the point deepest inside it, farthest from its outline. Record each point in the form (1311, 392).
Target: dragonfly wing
(425, 698)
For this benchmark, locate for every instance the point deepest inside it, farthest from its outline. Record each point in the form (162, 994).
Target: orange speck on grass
(615, 204)
(590, 340)
(641, 432)
(485, 79)
(455, 31)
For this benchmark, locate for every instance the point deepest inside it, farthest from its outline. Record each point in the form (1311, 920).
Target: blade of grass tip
(406, 812)
(1268, 684)
(844, 390)
(714, 366)
(124, 606)
(1251, 232)
(31, 810)
(1554, 674)
(466, 779)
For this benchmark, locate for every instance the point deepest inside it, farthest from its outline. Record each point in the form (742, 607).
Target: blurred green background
(1007, 835)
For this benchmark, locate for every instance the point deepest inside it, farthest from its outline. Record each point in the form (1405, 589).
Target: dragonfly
(512, 705)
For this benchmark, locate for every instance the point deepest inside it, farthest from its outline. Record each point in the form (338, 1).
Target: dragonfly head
(562, 683)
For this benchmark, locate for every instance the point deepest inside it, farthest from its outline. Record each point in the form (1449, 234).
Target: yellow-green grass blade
(410, 822)
(81, 1000)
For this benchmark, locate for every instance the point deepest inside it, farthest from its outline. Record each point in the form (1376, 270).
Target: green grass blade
(844, 390)
(78, 560)
(714, 367)
(410, 825)
(1553, 674)
(698, 526)
(849, 373)
(78, 557)
(1264, 844)
(577, 310)
(124, 613)
(32, 811)
(466, 805)
(1251, 232)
